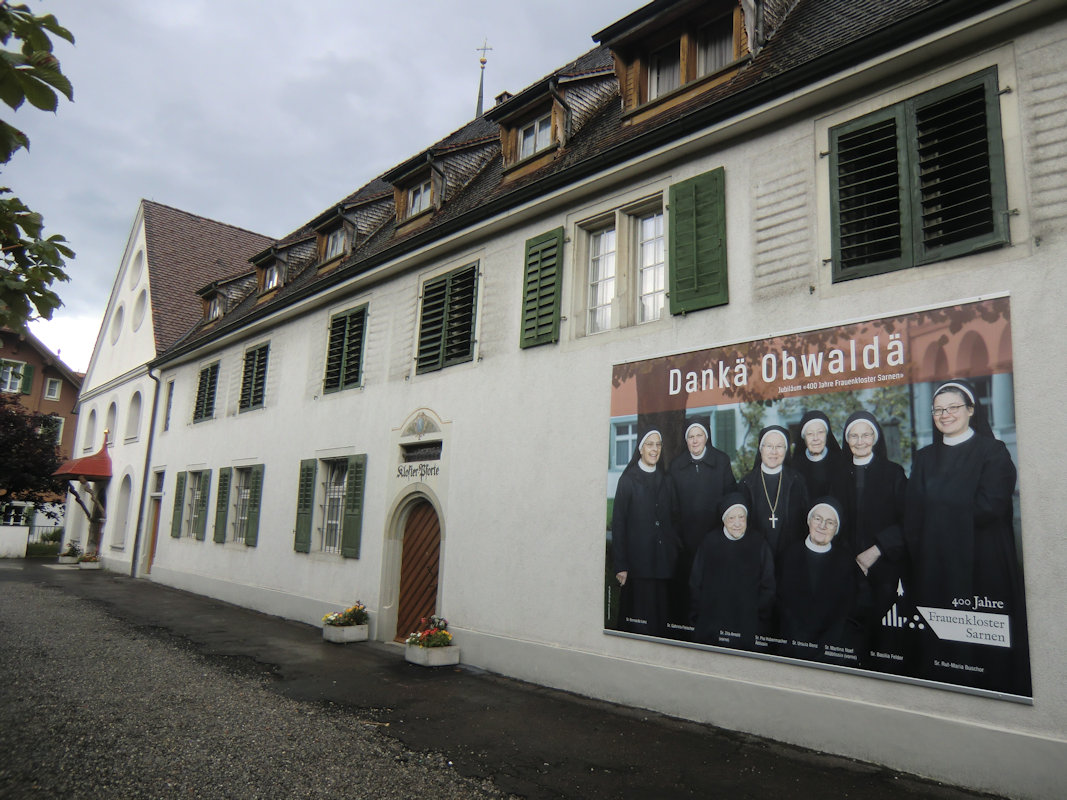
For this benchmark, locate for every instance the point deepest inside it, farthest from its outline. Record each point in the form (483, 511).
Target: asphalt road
(112, 687)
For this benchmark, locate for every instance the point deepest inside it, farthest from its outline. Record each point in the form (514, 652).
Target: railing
(44, 534)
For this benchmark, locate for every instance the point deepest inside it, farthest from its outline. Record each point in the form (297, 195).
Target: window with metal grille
(919, 181)
(254, 378)
(334, 504)
(344, 350)
(242, 496)
(204, 407)
(446, 325)
(199, 486)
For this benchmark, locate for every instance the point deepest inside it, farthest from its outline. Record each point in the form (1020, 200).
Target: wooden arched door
(419, 559)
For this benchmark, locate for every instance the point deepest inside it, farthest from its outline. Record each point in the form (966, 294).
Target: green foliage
(29, 72)
(28, 442)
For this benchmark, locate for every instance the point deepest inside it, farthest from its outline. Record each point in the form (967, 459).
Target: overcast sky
(258, 113)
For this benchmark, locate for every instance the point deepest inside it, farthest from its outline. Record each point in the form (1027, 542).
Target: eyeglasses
(657, 445)
(829, 522)
(953, 410)
(772, 447)
(867, 436)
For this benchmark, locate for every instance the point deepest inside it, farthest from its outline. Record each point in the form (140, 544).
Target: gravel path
(92, 708)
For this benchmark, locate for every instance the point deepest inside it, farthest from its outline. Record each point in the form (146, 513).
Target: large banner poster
(846, 497)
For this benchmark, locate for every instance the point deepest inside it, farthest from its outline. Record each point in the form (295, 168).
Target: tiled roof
(813, 38)
(185, 253)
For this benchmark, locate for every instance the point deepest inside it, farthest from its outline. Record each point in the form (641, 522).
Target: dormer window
(419, 198)
(536, 136)
(715, 45)
(667, 58)
(272, 277)
(664, 70)
(335, 244)
(214, 308)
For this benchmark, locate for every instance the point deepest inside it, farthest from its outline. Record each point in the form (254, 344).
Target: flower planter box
(88, 565)
(345, 633)
(68, 559)
(431, 656)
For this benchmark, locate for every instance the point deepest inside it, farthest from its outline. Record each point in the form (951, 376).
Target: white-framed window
(601, 279)
(624, 253)
(11, 376)
(419, 198)
(715, 45)
(623, 443)
(58, 421)
(664, 70)
(536, 136)
(214, 307)
(334, 487)
(651, 266)
(52, 388)
(335, 244)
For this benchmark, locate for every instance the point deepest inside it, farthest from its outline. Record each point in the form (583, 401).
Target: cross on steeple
(481, 79)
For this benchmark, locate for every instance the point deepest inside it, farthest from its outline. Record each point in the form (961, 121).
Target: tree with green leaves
(29, 71)
(28, 442)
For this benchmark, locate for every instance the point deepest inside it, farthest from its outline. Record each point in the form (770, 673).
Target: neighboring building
(153, 303)
(44, 385)
(423, 398)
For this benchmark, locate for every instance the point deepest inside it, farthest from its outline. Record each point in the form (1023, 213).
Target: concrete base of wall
(982, 758)
(13, 541)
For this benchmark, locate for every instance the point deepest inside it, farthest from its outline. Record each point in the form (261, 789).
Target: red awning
(96, 467)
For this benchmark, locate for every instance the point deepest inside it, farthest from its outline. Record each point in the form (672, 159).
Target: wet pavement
(518, 738)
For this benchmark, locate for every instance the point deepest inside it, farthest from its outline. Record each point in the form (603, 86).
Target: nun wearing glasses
(959, 531)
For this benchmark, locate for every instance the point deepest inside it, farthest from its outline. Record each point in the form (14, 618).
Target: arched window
(133, 418)
(90, 432)
(122, 513)
(112, 417)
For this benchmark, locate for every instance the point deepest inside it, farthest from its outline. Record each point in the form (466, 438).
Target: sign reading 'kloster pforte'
(418, 472)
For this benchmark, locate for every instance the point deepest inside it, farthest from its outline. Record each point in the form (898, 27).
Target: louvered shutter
(222, 503)
(344, 351)
(352, 524)
(959, 201)
(432, 325)
(205, 490)
(542, 283)
(305, 500)
(871, 231)
(697, 243)
(26, 386)
(255, 493)
(179, 504)
(462, 297)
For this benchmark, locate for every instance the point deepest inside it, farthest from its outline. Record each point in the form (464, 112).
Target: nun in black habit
(820, 600)
(644, 544)
(776, 492)
(702, 476)
(816, 453)
(732, 580)
(960, 534)
(872, 490)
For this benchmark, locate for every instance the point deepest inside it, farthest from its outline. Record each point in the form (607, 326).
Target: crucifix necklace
(777, 496)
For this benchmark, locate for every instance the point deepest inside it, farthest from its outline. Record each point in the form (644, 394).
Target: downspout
(144, 479)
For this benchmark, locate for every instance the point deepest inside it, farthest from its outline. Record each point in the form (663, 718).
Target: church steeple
(481, 79)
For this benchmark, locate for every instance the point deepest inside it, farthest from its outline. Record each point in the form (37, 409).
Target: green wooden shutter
(254, 378)
(305, 505)
(27, 379)
(179, 505)
(205, 490)
(344, 351)
(432, 325)
(542, 289)
(352, 524)
(697, 243)
(869, 195)
(255, 492)
(222, 503)
(956, 156)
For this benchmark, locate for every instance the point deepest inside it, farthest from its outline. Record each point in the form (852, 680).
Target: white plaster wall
(523, 513)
